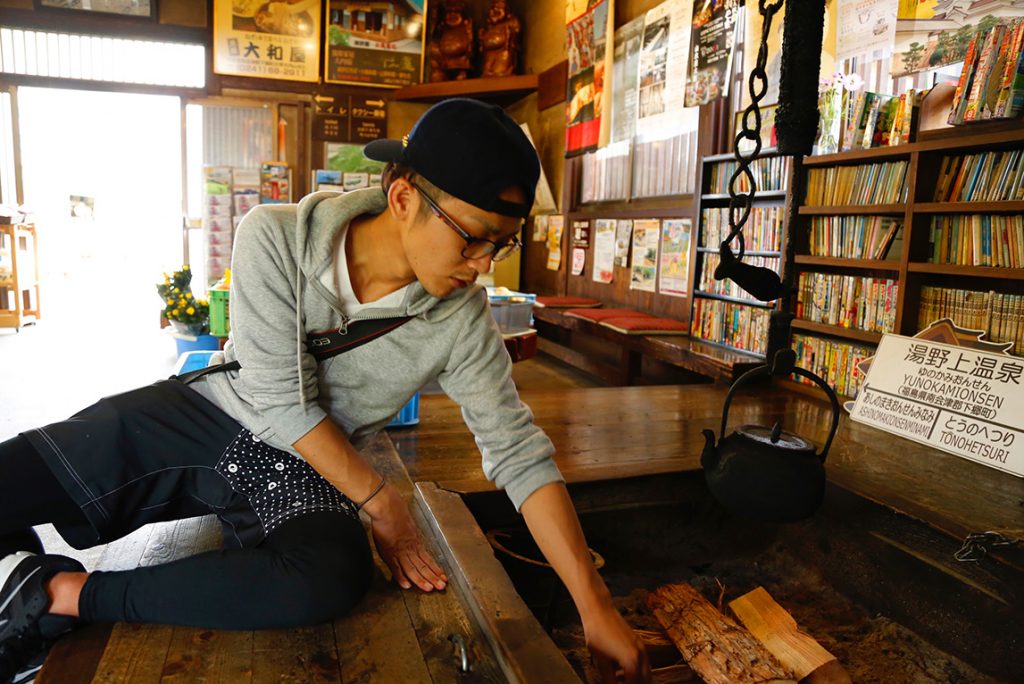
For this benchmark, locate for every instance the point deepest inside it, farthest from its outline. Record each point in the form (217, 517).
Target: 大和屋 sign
(964, 401)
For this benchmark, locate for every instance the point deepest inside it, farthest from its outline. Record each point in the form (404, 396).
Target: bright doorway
(120, 155)
(103, 176)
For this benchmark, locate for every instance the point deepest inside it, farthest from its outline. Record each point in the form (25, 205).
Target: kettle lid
(775, 437)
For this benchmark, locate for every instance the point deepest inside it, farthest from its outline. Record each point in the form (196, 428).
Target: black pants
(295, 552)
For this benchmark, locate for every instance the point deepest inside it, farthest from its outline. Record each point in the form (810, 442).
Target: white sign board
(964, 401)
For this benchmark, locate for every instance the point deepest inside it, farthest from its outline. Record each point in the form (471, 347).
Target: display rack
(723, 314)
(19, 276)
(917, 279)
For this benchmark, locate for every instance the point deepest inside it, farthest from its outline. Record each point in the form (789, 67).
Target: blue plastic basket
(193, 360)
(409, 415)
(187, 343)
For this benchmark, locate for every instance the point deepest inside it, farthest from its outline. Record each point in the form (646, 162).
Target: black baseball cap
(471, 150)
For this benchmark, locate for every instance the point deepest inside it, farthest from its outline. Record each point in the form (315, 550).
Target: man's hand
(615, 648)
(398, 542)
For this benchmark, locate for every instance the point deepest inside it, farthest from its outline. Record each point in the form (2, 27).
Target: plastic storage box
(409, 415)
(512, 310)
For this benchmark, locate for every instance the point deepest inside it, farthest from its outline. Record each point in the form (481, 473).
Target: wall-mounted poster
(866, 28)
(267, 39)
(374, 43)
(646, 233)
(712, 42)
(604, 250)
(674, 273)
(128, 8)
(556, 224)
(933, 33)
(664, 51)
(589, 30)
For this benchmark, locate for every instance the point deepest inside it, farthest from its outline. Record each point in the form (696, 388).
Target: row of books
(761, 233)
(999, 315)
(735, 325)
(771, 174)
(855, 237)
(727, 287)
(847, 301)
(978, 240)
(991, 85)
(876, 120)
(833, 361)
(991, 176)
(879, 183)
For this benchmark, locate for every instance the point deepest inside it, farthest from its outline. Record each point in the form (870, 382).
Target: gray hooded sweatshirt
(281, 393)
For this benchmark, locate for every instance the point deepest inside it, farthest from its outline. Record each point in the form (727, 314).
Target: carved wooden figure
(499, 40)
(454, 51)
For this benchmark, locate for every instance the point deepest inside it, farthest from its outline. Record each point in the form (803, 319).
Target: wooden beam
(715, 647)
(777, 630)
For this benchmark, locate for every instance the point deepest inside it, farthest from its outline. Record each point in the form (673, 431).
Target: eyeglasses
(476, 248)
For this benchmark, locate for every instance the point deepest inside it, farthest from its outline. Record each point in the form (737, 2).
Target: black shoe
(24, 635)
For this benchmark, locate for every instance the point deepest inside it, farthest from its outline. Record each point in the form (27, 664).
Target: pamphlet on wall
(674, 274)
(646, 234)
(540, 228)
(275, 183)
(604, 250)
(556, 224)
(579, 260)
(623, 236)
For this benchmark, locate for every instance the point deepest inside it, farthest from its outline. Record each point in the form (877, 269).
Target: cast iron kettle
(767, 473)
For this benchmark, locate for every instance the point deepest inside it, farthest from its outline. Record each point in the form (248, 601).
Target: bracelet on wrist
(376, 490)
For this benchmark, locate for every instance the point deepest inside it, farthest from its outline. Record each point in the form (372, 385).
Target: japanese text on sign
(965, 401)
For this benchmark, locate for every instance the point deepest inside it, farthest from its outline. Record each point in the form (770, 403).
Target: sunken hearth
(880, 591)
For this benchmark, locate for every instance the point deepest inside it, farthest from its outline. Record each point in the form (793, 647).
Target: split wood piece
(777, 630)
(715, 646)
(661, 652)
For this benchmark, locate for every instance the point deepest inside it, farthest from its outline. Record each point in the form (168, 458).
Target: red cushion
(646, 326)
(565, 302)
(598, 315)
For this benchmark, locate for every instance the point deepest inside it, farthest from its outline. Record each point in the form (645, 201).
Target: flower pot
(194, 329)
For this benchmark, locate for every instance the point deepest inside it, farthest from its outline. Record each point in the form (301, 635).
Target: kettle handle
(766, 370)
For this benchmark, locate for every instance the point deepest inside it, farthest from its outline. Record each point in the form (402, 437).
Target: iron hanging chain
(740, 203)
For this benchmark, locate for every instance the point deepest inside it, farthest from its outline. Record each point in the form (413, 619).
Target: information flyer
(674, 274)
(964, 401)
(646, 233)
(604, 250)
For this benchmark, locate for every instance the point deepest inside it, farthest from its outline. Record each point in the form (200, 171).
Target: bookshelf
(723, 314)
(983, 295)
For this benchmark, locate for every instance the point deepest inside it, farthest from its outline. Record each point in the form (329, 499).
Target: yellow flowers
(179, 303)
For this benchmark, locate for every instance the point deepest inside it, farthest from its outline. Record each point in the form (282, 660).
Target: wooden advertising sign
(349, 118)
(266, 40)
(376, 44)
(966, 401)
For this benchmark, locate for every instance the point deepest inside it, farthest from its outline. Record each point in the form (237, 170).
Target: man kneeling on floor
(342, 307)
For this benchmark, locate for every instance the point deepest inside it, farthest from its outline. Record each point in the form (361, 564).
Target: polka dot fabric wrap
(279, 486)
